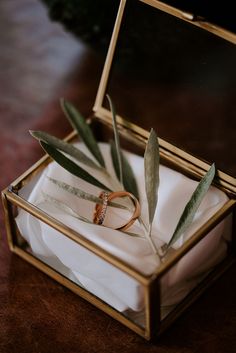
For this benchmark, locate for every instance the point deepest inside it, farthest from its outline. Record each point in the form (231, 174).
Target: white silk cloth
(102, 279)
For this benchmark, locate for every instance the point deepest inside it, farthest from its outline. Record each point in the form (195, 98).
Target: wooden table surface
(38, 64)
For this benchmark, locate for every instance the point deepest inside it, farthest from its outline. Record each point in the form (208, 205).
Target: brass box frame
(179, 159)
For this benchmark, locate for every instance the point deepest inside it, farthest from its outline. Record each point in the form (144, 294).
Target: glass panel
(195, 266)
(179, 79)
(81, 266)
(114, 287)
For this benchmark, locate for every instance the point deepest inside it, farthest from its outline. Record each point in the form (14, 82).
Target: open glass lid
(176, 73)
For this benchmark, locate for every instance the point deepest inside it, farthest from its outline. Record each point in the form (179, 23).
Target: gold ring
(101, 209)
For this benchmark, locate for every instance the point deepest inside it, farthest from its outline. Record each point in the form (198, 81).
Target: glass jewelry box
(185, 72)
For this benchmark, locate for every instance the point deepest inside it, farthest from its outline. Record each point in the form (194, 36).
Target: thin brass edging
(152, 309)
(78, 238)
(227, 182)
(83, 293)
(109, 57)
(36, 167)
(212, 277)
(189, 163)
(195, 238)
(30, 173)
(7, 217)
(191, 18)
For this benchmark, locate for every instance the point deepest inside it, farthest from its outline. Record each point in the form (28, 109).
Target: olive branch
(75, 162)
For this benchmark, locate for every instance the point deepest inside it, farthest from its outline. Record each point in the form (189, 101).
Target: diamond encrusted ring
(101, 209)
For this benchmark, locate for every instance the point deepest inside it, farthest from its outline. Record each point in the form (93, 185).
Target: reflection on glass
(196, 265)
(179, 79)
(106, 282)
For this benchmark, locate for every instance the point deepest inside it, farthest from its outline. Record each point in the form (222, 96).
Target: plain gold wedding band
(100, 209)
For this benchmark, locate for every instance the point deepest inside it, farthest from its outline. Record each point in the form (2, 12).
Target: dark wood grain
(38, 64)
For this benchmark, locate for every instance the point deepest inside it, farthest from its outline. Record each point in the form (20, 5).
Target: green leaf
(83, 129)
(128, 175)
(71, 167)
(192, 206)
(117, 142)
(65, 208)
(82, 194)
(65, 147)
(151, 170)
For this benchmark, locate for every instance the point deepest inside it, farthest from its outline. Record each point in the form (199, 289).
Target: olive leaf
(65, 147)
(82, 194)
(128, 175)
(117, 151)
(63, 207)
(83, 129)
(192, 206)
(151, 170)
(71, 167)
